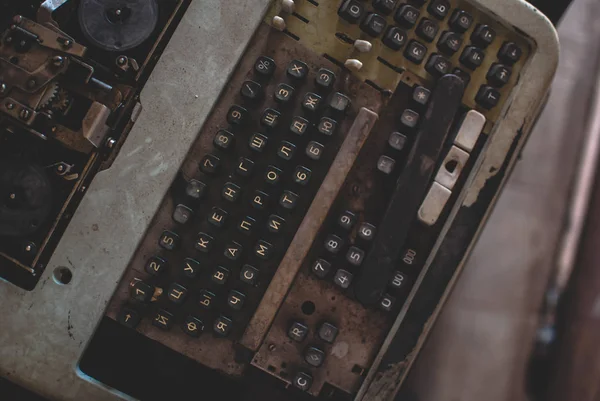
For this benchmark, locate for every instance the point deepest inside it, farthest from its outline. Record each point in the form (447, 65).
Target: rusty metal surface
(303, 240)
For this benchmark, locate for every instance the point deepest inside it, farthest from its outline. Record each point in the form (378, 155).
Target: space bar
(303, 240)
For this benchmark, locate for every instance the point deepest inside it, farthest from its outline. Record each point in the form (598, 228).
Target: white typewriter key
(353, 64)
(278, 23)
(363, 46)
(288, 6)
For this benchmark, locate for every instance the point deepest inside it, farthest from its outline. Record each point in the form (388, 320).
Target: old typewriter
(274, 196)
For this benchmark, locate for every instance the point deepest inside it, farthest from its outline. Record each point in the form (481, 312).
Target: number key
(237, 115)
(333, 243)
(169, 240)
(156, 265)
(366, 231)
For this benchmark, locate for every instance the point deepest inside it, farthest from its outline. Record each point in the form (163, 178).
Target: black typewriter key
(258, 142)
(461, 21)
(398, 281)
(237, 115)
(191, 268)
(421, 95)
(415, 52)
(244, 167)
(220, 275)
(339, 102)
(427, 29)
(217, 217)
(386, 164)
(384, 6)
(156, 265)
(299, 125)
(182, 214)
(249, 274)
(270, 118)
(343, 278)
(333, 243)
(297, 69)
(366, 231)
(246, 225)
(163, 319)
(397, 141)
(236, 299)
(438, 66)
(439, 8)
(251, 90)
(394, 38)
(275, 223)
(288, 200)
(355, 256)
(314, 150)
(487, 97)
(483, 35)
(465, 76)
(327, 126)
(206, 299)
(210, 164)
(223, 140)
(272, 175)
(387, 302)
(195, 189)
(129, 317)
(302, 175)
(499, 75)
(303, 381)
(204, 242)
(328, 332)
(351, 11)
(311, 102)
(321, 268)
(231, 192)
(263, 249)
(409, 118)
(286, 150)
(259, 200)
(472, 57)
(264, 66)
(192, 326)
(450, 43)
(373, 25)
(284, 93)
(169, 240)
(297, 332)
(222, 326)
(176, 293)
(347, 220)
(141, 291)
(314, 356)
(233, 250)
(325, 78)
(407, 16)
(510, 53)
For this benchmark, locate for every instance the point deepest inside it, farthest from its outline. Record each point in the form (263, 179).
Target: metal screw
(28, 248)
(111, 142)
(60, 167)
(118, 12)
(82, 189)
(31, 83)
(272, 347)
(25, 114)
(122, 60)
(18, 19)
(10, 106)
(2, 87)
(54, 129)
(12, 196)
(58, 61)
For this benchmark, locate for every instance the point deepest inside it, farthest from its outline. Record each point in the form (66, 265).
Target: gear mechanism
(50, 94)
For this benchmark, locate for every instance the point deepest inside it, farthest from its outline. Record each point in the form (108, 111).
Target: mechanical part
(63, 168)
(50, 94)
(111, 142)
(94, 127)
(25, 198)
(115, 25)
(44, 14)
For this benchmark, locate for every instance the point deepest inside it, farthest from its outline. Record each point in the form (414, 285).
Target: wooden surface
(480, 346)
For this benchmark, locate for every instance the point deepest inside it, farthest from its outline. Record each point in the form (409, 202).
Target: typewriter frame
(45, 331)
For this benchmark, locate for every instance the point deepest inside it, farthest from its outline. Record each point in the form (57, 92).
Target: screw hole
(62, 275)
(451, 166)
(308, 308)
